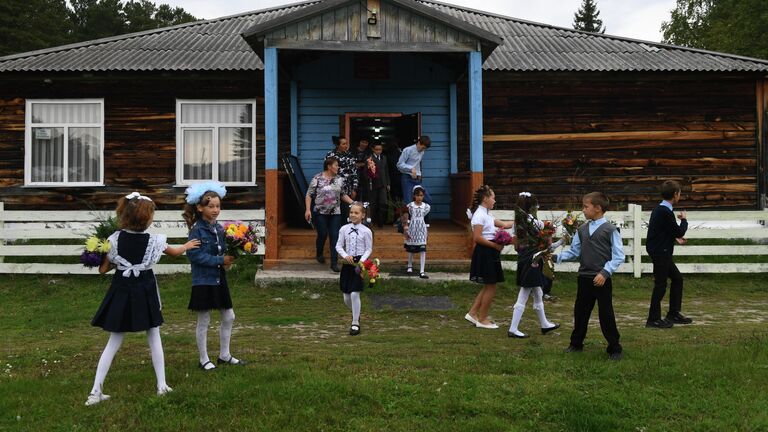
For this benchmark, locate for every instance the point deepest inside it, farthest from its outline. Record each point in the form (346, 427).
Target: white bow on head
(525, 194)
(137, 195)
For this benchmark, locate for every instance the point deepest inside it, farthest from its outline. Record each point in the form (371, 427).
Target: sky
(637, 19)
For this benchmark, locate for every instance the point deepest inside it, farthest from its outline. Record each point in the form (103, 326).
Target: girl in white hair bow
(132, 303)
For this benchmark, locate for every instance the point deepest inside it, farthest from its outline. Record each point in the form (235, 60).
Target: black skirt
(349, 279)
(132, 304)
(486, 266)
(415, 248)
(209, 297)
(529, 274)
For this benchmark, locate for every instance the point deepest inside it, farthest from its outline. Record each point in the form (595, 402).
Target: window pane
(235, 150)
(215, 113)
(198, 154)
(47, 155)
(66, 113)
(84, 154)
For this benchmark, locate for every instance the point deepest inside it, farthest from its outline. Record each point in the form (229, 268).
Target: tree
(733, 26)
(587, 18)
(28, 25)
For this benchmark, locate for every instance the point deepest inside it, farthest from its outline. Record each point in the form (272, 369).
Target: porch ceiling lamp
(377, 129)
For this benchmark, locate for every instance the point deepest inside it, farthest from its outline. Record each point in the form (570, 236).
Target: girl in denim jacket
(209, 262)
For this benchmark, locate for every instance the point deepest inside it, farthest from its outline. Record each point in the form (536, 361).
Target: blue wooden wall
(326, 90)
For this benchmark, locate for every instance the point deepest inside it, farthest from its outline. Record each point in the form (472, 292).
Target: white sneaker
(470, 318)
(95, 398)
(486, 326)
(164, 390)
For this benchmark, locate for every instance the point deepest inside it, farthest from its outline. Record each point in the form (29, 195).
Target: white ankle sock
(201, 334)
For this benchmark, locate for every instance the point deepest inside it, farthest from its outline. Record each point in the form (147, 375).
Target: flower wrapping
(96, 244)
(571, 223)
(503, 237)
(241, 238)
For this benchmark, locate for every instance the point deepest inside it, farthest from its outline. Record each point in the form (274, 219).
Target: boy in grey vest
(598, 247)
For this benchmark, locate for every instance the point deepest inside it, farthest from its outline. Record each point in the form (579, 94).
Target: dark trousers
(664, 268)
(586, 296)
(378, 206)
(408, 183)
(327, 226)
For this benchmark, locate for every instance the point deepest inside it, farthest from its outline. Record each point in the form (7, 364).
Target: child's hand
(682, 215)
(681, 240)
(228, 260)
(192, 244)
(599, 280)
(350, 259)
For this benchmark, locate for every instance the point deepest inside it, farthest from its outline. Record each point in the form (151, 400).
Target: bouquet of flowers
(503, 237)
(399, 213)
(571, 224)
(96, 244)
(241, 238)
(369, 271)
(371, 169)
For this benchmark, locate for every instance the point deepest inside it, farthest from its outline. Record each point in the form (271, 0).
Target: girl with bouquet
(355, 245)
(530, 277)
(485, 268)
(132, 303)
(209, 263)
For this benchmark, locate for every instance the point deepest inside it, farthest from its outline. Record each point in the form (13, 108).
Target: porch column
(272, 192)
(475, 119)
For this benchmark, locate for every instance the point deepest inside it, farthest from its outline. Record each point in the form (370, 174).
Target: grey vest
(595, 249)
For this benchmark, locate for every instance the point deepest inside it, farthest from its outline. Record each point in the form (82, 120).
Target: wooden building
(516, 104)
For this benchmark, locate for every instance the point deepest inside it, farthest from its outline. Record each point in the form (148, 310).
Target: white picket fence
(701, 225)
(17, 227)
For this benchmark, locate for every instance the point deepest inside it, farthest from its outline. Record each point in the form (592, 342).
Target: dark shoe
(232, 361)
(615, 356)
(573, 349)
(660, 323)
(516, 336)
(207, 369)
(335, 268)
(320, 259)
(679, 318)
(549, 329)
(354, 330)
(423, 276)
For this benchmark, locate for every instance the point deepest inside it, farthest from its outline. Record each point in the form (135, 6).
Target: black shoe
(573, 349)
(354, 330)
(513, 335)
(549, 329)
(679, 318)
(423, 276)
(232, 361)
(615, 356)
(320, 259)
(659, 323)
(335, 268)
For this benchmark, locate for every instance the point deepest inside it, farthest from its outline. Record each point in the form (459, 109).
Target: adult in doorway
(409, 166)
(327, 188)
(379, 186)
(347, 171)
(362, 154)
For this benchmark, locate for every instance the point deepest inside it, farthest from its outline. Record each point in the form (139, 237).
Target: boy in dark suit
(379, 186)
(663, 232)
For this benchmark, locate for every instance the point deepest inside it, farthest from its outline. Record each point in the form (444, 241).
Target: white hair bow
(525, 194)
(137, 195)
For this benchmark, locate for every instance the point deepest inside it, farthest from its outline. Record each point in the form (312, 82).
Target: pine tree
(587, 18)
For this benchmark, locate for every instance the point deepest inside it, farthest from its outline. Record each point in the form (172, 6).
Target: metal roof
(217, 44)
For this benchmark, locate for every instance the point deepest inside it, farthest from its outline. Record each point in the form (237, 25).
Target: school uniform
(133, 301)
(210, 289)
(355, 240)
(417, 228)
(660, 244)
(598, 247)
(485, 267)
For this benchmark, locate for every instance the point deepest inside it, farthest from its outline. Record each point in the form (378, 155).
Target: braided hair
(481, 193)
(526, 204)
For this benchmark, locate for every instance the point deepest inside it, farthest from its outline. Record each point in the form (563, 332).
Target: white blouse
(354, 240)
(482, 216)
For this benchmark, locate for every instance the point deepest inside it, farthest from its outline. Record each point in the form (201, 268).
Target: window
(64, 142)
(215, 141)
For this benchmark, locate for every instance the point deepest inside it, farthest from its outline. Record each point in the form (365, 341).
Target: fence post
(637, 244)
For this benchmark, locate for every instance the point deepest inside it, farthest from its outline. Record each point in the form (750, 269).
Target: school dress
(530, 274)
(355, 240)
(133, 301)
(417, 228)
(485, 267)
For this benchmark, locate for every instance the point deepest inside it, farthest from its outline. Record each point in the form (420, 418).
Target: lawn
(410, 370)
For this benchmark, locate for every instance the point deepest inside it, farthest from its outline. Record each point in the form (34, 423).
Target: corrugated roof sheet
(217, 45)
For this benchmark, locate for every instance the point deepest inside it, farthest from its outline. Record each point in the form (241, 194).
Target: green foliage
(27, 25)
(587, 18)
(732, 26)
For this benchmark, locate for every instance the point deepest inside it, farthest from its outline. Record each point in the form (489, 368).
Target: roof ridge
(608, 36)
(116, 38)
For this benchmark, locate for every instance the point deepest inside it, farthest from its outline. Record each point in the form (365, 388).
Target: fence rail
(18, 227)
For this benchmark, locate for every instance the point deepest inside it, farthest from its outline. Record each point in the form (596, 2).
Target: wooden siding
(140, 135)
(560, 136)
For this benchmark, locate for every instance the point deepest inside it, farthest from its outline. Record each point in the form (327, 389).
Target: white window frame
(28, 141)
(180, 127)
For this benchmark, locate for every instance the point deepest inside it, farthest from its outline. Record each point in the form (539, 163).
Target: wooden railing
(701, 225)
(42, 234)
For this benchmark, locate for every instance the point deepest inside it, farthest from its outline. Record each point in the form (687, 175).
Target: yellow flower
(104, 246)
(92, 244)
(373, 280)
(248, 246)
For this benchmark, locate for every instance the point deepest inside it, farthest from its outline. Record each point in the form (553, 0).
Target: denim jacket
(209, 257)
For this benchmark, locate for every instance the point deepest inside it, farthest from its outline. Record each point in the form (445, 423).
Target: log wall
(139, 132)
(560, 136)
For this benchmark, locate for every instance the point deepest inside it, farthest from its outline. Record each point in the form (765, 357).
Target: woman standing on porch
(328, 190)
(347, 170)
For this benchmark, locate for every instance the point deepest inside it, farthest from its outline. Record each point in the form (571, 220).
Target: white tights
(352, 300)
(422, 260)
(538, 306)
(113, 345)
(225, 334)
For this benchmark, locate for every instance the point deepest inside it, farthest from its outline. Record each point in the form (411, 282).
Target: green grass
(409, 370)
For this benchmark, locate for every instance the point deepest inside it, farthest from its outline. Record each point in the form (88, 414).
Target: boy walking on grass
(663, 231)
(598, 247)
